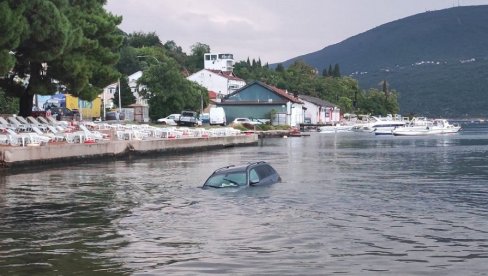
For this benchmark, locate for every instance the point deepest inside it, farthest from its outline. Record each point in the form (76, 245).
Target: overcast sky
(273, 30)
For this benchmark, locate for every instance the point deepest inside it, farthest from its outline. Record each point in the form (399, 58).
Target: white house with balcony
(218, 76)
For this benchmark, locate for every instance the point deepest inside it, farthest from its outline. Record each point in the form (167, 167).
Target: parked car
(252, 174)
(246, 121)
(188, 118)
(217, 116)
(169, 120)
(204, 118)
(114, 116)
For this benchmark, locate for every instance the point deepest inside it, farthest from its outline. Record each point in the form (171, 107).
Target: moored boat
(380, 125)
(335, 128)
(427, 127)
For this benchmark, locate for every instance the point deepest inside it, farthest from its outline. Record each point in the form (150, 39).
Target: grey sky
(273, 30)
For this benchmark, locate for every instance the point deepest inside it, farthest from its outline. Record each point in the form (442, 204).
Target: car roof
(238, 168)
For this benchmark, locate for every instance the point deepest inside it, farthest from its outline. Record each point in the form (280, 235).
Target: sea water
(349, 203)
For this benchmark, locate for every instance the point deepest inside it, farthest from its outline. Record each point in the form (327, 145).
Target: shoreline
(63, 153)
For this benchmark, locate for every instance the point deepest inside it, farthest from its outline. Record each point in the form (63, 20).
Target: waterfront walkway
(88, 141)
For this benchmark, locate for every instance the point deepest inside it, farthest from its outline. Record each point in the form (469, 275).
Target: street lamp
(201, 102)
(157, 60)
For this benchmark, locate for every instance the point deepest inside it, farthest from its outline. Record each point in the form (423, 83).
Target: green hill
(437, 61)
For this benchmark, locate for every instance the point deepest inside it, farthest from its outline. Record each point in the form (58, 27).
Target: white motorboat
(335, 128)
(429, 127)
(380, 125)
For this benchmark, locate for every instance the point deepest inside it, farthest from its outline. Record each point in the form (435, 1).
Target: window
(253, 176)
(264, 171)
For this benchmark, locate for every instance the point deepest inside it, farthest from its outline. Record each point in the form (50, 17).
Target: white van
(217, 116)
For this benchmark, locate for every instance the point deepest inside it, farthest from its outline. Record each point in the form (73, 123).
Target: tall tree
(280, 68)
(140, 39)
(385, 89)
(69, 43)
(324, 72)
(176, 52)
(129, 61)
(337, 71)
(13, 27)
(126, 95)
(167, 90)
(8, 105)
(198, 50)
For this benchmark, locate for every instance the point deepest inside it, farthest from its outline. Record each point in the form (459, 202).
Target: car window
(264, 171)
(227, 180)
(253, 176)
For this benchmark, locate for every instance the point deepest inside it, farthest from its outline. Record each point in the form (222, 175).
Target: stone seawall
(11, 157)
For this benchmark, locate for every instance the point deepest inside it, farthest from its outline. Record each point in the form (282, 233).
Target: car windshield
(230, 179)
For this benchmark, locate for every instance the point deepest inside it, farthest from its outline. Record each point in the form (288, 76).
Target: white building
(221, 82)
(319, 111)
(217, 76)
(220, 62)
(109, 91)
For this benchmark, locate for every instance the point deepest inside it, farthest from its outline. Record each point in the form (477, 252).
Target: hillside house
(258, 100)
(217, 76)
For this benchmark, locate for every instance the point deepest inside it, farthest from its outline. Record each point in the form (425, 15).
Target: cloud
(274, 30)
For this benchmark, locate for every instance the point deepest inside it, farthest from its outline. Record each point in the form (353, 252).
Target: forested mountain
(437, 61)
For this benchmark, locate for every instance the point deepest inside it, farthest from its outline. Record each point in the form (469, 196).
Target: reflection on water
(349, 203)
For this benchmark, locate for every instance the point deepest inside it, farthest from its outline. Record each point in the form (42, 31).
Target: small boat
(295, 133)
(429, 127)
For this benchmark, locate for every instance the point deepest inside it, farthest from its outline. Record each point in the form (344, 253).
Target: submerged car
(252, 174)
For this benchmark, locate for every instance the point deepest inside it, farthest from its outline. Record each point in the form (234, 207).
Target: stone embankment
(53, 153)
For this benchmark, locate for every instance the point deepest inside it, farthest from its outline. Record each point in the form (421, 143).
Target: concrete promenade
(12, 156)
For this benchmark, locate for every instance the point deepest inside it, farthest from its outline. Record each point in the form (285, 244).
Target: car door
(262, 175)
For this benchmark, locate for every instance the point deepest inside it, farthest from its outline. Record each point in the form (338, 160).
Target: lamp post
(157, 60)
(120, 100)
(201, 102)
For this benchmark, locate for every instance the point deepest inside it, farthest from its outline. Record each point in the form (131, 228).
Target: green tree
(8, 105)
(129, 61)
(176, 52)
(13, 27)
(280, 68)
(345, 104)
(167, 90)
(337, 71)
(324, 72)
(198, 50)
(140, 39)
(126, 95)
(373, 102)
(73, 43)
